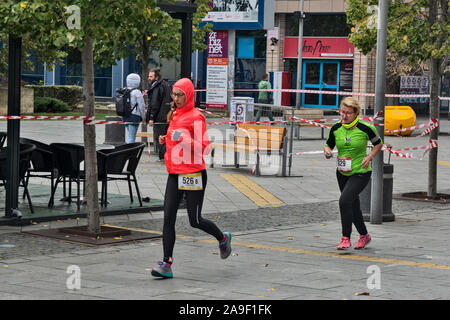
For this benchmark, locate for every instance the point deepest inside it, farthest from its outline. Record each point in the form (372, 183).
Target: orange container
(399, 117)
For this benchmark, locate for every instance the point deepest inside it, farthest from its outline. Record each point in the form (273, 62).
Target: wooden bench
(149, 136)
(255, 139)
(312, 114)
(145, 134)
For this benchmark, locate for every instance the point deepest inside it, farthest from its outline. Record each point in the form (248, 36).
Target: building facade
(329, 61)
(251, 38)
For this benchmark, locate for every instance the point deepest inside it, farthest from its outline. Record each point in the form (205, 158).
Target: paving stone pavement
(285, 252)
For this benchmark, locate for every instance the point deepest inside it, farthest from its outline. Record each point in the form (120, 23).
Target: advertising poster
(233, 11)
(413, 85)
(217, 70)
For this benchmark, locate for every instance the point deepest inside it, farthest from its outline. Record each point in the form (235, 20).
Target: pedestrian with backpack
(187, 142)
(158, 107)
(133, 106)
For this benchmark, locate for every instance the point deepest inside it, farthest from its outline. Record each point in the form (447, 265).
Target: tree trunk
(435, 65)
(90, 155)
(434, 113)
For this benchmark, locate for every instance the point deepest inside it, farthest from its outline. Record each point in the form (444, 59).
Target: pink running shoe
(345, 243)
(363, 241)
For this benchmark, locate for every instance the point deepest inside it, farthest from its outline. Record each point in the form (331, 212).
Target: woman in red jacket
(186, 143)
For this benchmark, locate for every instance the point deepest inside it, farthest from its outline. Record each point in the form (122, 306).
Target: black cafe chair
(67, 160)
(41, 163)
(119, 163)
(25, 153)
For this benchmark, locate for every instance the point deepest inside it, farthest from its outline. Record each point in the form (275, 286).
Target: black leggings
(194, 202)
(351, 187)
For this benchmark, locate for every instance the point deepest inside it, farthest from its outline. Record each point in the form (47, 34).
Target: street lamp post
(273, 43)
(272, 48)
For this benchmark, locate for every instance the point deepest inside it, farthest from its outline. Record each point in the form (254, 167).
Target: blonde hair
(351, 102)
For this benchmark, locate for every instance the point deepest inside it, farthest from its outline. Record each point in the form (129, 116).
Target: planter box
(26, 101)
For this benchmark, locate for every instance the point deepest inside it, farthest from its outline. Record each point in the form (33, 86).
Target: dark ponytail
(173, 107)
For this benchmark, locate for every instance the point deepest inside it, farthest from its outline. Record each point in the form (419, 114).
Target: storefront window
(250, 60)
(71, 74)
(312, 73)
(35, 73)
(319, 25)
(330, 74)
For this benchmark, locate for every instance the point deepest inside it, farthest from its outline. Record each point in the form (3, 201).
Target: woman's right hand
(327, 152)
(162, 139)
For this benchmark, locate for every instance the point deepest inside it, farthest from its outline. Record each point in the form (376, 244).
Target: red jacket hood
(186, 154)
(187, 87)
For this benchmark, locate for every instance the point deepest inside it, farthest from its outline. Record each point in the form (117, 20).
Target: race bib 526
(190, 181)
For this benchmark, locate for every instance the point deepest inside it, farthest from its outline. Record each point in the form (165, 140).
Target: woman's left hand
(365, 162)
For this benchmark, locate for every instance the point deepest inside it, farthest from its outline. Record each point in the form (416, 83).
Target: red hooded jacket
(186, 154)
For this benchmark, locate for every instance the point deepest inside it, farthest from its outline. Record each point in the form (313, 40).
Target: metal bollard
(114, 133)
(365, 195)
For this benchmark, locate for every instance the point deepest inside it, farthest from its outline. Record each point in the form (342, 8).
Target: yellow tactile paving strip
(344, 255)
(444, 163)
(260, 196)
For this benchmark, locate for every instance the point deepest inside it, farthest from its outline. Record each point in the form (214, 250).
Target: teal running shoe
(225, 246)
(163, 270)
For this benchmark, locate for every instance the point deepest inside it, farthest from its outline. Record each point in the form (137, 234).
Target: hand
(327, 152)
(150, 123)
(365, 162)
(162, 139)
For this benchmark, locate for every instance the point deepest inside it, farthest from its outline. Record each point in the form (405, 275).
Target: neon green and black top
(351, 142)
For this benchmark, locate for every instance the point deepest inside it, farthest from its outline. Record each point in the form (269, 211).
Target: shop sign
(324, 48)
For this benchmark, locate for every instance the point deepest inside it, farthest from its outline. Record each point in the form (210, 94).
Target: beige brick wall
(310, 6)
(363, 66)
(26, 101)
(364, 77)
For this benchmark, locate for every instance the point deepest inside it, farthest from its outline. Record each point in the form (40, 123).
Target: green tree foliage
(42, 26)
(411, 31)
(151, 29)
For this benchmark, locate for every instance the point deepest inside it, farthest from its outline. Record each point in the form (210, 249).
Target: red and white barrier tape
(396, 152)
(90, 120)
(432, 144)
(343, 93)
(85, 118)
(433, 122)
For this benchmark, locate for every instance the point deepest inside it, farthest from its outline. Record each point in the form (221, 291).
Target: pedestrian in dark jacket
(158, 107)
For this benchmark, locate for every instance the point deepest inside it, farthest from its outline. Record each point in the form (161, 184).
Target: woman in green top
(350, 137)
(263, 97)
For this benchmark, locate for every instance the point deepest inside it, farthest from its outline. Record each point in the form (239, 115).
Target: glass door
(320, 75)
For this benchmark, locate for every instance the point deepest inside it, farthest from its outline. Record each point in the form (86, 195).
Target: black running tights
(194, 202)
(351, 187)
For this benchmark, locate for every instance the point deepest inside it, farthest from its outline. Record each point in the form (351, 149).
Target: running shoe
(345, 243)
(225, 246)
(363, 241)
(163, 270)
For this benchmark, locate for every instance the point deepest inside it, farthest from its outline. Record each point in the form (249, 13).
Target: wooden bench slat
(254, 138)
(144, 134)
